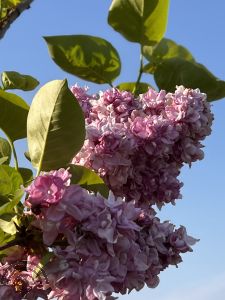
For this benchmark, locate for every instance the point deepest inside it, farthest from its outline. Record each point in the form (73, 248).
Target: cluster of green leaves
(55, 130)
(143, 22)
(13, 119)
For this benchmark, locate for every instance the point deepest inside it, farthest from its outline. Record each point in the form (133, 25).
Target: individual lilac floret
(138, 145)
(47, 188)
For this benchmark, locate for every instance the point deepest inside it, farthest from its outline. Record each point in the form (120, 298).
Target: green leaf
(10, 3)
(3, 200)
(7, 225)
(88, 179)
(27, 175)
(142, 87)
(149, 68)
(4, 160)
(166, 49)
(5, 151)
(13, 117)
(140, 21)
(88, 57)
(177, 71)
(14, 80)
(56, 126)
(4, 239)
(10, 180)
(10, 205)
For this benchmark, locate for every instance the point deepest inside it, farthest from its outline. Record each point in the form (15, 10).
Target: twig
(12, 15)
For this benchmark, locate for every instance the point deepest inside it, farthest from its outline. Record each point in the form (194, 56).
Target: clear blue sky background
(198, 25)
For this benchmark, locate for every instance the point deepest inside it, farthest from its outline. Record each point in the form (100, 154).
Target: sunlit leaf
(165, 49)
(88, 179)
(14, 80)
(141, 21)
(13, 116)
(7, 225)
(88, 57)
(4, 160)
(177, 71)
(142, 87)
(10, 180)
(5, 151)
(56, 127)
(15, 200)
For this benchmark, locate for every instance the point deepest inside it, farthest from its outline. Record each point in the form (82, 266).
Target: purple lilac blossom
(110, 246)
(48, 188)
(139, 145)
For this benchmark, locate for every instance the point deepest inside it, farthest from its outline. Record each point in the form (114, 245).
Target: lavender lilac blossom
(139, 144)
(110, 246)
(105, 246)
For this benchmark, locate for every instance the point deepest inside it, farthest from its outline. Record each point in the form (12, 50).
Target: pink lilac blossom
(48, 188)
(138, 145)
(110, 246)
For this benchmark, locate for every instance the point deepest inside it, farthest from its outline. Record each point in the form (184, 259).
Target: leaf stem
(139, 73)
(14, 154)
(12, 14)
(111, 85)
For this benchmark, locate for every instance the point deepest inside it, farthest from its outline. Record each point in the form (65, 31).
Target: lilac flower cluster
(100, 246)
(103, 246)
(138, 145)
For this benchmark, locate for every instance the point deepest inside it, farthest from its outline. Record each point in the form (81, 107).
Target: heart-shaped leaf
(140, 21)
(14, 80)
(56, 127)
(177, 71)
(88, 57)
(13, 116)
(5, 151)
(88, 179)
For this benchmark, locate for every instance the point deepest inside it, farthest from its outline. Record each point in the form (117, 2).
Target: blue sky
(198, 25)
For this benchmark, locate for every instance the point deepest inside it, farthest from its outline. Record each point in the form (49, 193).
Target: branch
(12, 14)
